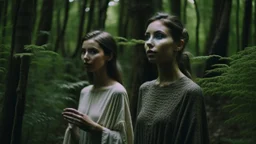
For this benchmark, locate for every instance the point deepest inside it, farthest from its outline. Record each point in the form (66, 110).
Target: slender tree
(2, 3)
(176, 7)
(80, 28)
(3, 18)
(122, 21)
(90, 16)
(197, 28)
(237, 26)
(61, 35)
(247, 23)
(14, 99)
(158, 5)
(102, 13)
(45, 23)
(217, 42)
(185, 12)
(254, 35)
(139, 12)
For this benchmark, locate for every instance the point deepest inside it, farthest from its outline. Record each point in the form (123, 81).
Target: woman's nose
(149, 43)
(86, 57)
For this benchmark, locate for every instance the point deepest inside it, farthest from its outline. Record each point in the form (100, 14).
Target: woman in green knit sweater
(171, 108)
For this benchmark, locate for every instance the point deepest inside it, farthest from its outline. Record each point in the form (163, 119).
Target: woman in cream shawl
(103, 115)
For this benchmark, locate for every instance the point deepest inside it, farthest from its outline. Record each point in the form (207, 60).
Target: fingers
(74, 115)
(72, 110)
(73, 120)
(71, 116)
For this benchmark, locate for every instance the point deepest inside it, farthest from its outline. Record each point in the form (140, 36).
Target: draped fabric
(108, 107)
(173, 114)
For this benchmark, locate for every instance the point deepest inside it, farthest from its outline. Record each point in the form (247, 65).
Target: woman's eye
(159, 35)
(92, 51)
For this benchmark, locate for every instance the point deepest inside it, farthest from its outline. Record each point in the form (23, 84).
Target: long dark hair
(109, 46)
(178, 32)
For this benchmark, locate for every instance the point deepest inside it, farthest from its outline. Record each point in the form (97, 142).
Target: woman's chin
(152, 60)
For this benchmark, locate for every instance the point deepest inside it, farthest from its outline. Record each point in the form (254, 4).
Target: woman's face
(159, 44)
(93, 56)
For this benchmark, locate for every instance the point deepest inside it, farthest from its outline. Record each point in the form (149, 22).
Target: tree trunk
(15, 8)
(215, 22)
(102, 13)
(185, 12)
(197, 28)
(217, 42)
(61, 35)
(15, 95)
(176, 7)
(9, 99)
(2, 7)
(90, 17)
(4, 19)
(45, 23)
(247, 23)
(139, 12)
(237, 26)
(254, 34)
(21, 100)
(80, 28)
(122, 26)
(158, 5)
(219, 36)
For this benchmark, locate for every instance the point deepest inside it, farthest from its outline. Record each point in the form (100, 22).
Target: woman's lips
(151, 53)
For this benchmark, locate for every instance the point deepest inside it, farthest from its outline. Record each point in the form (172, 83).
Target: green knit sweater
(173, 114)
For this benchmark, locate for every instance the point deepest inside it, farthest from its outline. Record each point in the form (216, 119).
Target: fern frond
(20, 55)
(236, 81)
(75, 85)
(2, 70)
(33, 47)
(41, 32)
(120, 39)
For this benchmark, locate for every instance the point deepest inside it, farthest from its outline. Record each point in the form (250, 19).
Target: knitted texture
(173, 114)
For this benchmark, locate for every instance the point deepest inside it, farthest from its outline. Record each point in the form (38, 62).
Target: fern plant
(50, 90)
(237, 81)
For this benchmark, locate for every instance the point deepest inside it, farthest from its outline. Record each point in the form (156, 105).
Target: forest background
(41, 72)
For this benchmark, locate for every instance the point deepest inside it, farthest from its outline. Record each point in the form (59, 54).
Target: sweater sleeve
(117, 121)
(193, 127)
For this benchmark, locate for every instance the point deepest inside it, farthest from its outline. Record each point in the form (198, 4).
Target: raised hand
(80, 120)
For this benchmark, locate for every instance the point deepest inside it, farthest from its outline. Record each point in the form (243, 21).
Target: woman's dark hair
(177, 32)
(109, 46)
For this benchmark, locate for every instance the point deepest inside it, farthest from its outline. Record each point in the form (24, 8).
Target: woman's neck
(168, 72)
(101, 79)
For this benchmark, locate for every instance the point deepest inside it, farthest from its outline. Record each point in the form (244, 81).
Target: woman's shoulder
(192, 87)
(147, 84)
(118, 88)
(86, 88)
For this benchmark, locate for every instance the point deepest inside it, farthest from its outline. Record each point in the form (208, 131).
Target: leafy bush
(236, 81)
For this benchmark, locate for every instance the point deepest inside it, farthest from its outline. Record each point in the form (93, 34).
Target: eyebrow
(91, 47)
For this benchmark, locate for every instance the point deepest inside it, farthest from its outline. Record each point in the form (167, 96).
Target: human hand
(80, 120)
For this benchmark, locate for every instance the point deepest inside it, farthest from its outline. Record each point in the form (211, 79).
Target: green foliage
(202, 59)
(236, 81)
(49, 92)
(125, 42)
(76, 85)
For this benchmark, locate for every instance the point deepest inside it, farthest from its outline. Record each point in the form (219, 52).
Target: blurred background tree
(41, 72)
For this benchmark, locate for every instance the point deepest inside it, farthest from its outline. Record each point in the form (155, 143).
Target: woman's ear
(180, 45)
